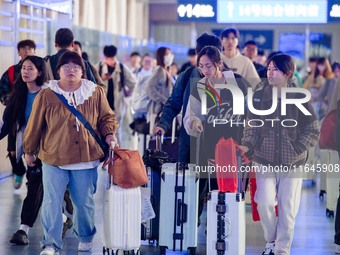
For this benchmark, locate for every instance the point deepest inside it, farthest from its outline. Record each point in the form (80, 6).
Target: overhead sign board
(287, 11)
(263, 38)
(197, 10)
(333, 11)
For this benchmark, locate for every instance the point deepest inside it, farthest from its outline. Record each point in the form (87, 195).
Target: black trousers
(337, 221)
(18, 168)
(34, 197)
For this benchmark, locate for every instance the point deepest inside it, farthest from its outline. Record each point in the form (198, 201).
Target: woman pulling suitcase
(275, 145)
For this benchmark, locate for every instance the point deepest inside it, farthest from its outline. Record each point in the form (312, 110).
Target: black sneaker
(20, 238)
(67, 225)
(269, 249)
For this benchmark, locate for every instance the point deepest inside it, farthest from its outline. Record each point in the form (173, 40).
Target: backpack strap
(11, 75)
(122, 78)
(49, 68)
(100, 69)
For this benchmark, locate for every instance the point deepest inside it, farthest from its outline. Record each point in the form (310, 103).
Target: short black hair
(335, 65)
(206, 39)
(312, 59)
(191, 52)
(250, 42)
(213, 54)
(284, 63)
(227, 31)
(71, 56)
(260, 52)
(79, 44)
(64, 37)
(135, 53)
(272, 54)
(110, 51)
(24, 43)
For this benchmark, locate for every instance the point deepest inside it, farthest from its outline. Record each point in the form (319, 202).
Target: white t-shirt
(244, 67)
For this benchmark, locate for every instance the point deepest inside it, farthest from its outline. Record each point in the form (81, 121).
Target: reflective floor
(313, 231)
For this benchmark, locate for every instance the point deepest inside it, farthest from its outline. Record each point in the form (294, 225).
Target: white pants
(284, 190)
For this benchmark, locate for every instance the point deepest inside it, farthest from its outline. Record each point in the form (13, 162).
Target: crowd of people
(144, 96)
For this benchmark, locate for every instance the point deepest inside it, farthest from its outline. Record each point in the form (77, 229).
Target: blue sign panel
(263, 38)
(197, 10)
(288, 11)
(333, 11)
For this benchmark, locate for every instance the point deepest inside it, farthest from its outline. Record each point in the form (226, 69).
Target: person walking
(16, 115)
(275, 145)
(69, 153)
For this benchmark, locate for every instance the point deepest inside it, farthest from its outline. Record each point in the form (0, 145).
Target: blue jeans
(82, 185)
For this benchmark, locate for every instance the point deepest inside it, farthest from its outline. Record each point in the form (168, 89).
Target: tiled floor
(313, 232)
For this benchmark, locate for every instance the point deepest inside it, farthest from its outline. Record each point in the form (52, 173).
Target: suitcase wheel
(329, 213)
(322, 194)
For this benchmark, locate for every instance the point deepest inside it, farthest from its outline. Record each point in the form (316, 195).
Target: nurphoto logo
(238, 105)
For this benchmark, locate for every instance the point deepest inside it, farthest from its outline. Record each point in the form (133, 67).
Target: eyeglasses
(26, 48)
(202, 68)
(68, 67)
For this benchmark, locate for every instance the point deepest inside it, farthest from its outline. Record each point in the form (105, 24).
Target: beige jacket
(121, 105)
(52, 131)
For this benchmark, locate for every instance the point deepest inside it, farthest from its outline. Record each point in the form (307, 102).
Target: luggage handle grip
(159, 141)
(182, 212)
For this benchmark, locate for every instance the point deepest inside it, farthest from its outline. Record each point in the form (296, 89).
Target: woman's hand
(157, 129)
(112, 138)
(196, 125)
(29, 159)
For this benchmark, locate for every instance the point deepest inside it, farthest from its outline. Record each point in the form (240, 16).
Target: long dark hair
(18, 98)
(160, 53)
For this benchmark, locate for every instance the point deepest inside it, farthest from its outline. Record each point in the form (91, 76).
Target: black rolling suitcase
(153, 160)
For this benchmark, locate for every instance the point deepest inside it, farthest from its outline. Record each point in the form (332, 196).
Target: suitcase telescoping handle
(111, 156)
(198, 141)
(159, 141)
(182, 212)
(239, 174)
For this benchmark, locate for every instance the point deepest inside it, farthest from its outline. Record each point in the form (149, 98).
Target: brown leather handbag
(126, 168)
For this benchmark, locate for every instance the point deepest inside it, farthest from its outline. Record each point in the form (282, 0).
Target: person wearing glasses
(70, 155)
(64, 41)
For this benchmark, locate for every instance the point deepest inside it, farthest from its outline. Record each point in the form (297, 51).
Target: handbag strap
(82, 119)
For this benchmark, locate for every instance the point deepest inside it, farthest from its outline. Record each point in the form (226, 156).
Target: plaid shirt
(273, 144)
(5, 85)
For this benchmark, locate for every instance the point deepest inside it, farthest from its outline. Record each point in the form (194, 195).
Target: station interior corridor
(314, 231)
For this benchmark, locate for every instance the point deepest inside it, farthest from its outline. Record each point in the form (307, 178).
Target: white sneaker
(269, 249)
(50, 250)
(85, 246)
(18, 181)
(337, 249)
